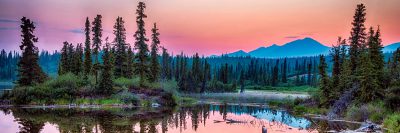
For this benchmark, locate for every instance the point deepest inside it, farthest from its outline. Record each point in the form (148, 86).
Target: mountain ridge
(297, 48)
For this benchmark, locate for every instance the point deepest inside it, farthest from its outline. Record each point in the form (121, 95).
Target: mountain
(239, 53)
(391, 47)
(300, 47)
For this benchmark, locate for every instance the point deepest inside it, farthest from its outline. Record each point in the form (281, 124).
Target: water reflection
(201, 118)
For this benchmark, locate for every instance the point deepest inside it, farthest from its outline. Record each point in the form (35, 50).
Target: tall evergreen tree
(140, 44)
(71, 53)
(77, 59)
(325, 90)
(29, 71)
(241, 81)
(130, 63)
(154, 64)
(206, 76)
(196, 71)
(275, 74)
(376, 57)
(284, 71)
(121, 61)
(106, 83)
(309, 67)
(358, 36)
(392, 97)
(368, 82)
(97, 34)
(88, 56)
(335, 53)
(165, 64)
(63, 66)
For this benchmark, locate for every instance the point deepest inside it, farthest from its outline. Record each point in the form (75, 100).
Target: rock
(369, 127)
(155, 105)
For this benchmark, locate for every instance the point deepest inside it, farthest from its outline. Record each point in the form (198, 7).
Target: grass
(246, 97)
(288, 89)
(186, 101)
(374, 111)
(392, 123)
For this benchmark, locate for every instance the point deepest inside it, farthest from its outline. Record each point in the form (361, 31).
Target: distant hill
(297, 48)
(391, 47)
(239, 53)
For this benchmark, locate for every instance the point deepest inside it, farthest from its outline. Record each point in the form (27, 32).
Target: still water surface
(201, 119)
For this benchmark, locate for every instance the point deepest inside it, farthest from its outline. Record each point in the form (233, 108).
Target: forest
(355, 80)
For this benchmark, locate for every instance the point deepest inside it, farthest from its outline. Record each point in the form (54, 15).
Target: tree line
(358, 65)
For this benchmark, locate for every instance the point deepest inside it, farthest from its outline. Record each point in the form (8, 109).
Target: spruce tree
(325, 90)
(206, 76)
(368, 82)
(71, 53)
(196, 70)
(140, 44)
(63, 66)
(165, 64)
(335, 53)
(241, 81)
(376, 57)
(106, 83)
(275, 74)
(77, 59)
(88, 56)
(154, 64)
(284, 71)
(309, 67)
(130, 63)
(29, 71)
(392, 97)
(358, 36)
(97, 34)
(121, 61)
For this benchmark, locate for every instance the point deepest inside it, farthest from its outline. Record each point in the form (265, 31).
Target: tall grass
(374, 111)
(392, 122)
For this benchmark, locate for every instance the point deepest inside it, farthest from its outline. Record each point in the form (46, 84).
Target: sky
(204, 26)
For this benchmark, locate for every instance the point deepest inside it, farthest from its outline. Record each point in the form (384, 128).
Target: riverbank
(249, 96)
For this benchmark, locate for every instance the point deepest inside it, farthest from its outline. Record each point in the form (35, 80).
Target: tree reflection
(162, 120)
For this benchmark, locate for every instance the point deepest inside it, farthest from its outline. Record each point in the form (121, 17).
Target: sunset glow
(207, 26)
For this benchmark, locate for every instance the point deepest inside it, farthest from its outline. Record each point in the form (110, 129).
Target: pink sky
(203, 26)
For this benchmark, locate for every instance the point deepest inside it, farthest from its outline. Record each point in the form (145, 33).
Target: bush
(21, 95)
(218, 86)
(374, 111)
(299, 109)
(125, 82)
(392, 98)
(64, 87)
(392, 122)
(127, 97)
(170, 86)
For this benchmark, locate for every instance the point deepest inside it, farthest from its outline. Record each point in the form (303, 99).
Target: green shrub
(81, 101)
(218, 86)
(299, 109)
(125, 82)
(127, 97)
(374, 111)
(21, 95)
(392, 122)
(392, 98)
(65, 86)
(170, 86)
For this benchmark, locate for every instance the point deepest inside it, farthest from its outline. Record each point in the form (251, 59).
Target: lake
(6, 85)
(204, 118)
